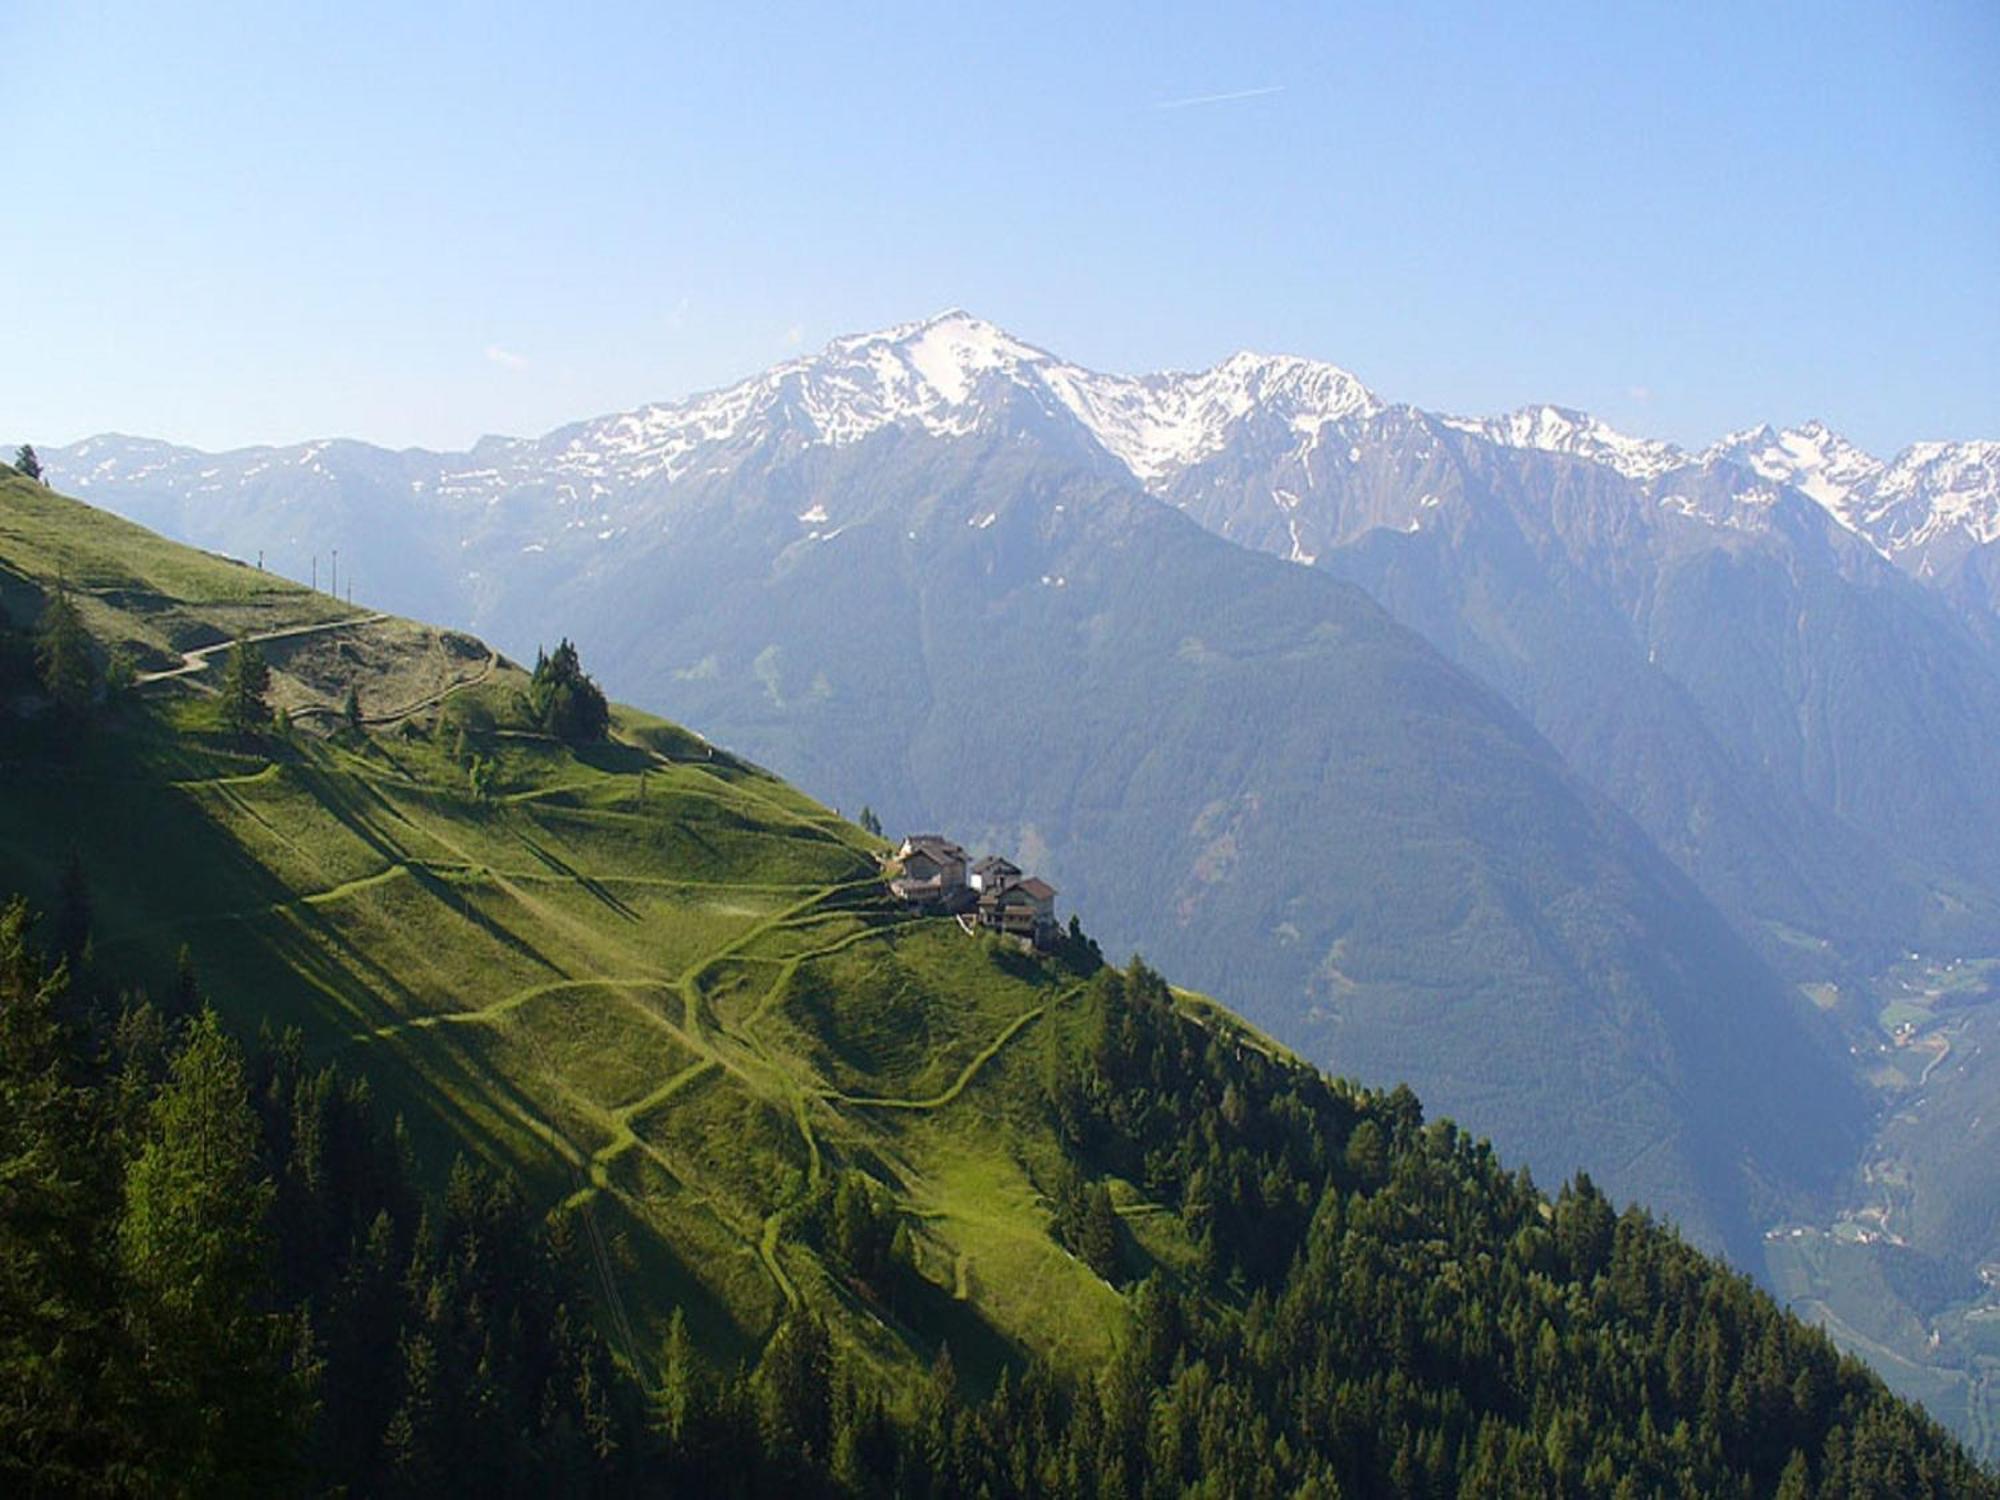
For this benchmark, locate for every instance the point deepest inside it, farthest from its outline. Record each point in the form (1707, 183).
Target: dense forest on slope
(222, 1274)
(605, 1127)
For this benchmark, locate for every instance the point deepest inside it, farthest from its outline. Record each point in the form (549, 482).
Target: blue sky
(264, 223)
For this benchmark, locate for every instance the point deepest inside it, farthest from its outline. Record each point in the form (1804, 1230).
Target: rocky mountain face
(1713, 649)
(1549, 871)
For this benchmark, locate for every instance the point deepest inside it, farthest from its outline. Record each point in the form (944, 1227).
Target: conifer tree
(678, 1403)
(62, 656)
(26, 464)
(794, 1389)
(1098, 1233)
(194, 1247)
(121, 673)
(246, 685)
(564, 699)
(56, 1340)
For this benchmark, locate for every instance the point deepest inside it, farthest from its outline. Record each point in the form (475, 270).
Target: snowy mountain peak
(1942, 493)
(947, 354)
(1812, 458)
(1932, 501)
(933, 373)
(1561, 429)
(953, 373)
(1158, 426)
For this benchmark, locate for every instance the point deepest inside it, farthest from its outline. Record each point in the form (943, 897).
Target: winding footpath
(197, 659)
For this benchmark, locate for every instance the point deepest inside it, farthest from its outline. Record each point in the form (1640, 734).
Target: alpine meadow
(949, 863)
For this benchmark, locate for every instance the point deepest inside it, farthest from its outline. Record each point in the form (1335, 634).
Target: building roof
(936, 845)
(1013, 892)
(995, 864)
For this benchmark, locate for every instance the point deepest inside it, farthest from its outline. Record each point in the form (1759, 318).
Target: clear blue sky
(267, 222)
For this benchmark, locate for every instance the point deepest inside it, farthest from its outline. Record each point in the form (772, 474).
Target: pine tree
(195, 1249)
(868, 822)
(795, 1389)
(246, 685)
(26, 464)
(121, 673)
(564, 699)
(679, 1401)
(62, 656)
(350, 709)
(861, 1233)
(56, 1339)
(1097, 1239)
(1796, 1482)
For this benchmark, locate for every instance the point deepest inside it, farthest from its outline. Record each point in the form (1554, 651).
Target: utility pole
(260, 559)
(335, 590)
(315, 583)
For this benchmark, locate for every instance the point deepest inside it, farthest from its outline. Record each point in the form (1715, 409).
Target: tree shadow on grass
(589, 883)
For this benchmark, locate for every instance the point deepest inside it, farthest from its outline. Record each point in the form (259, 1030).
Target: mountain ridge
(1925, 509)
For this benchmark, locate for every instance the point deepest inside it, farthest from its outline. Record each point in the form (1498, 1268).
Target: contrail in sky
(1193, 99)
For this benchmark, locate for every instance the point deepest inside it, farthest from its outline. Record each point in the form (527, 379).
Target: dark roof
(1010, 892)
(936, 845)
(995, 864)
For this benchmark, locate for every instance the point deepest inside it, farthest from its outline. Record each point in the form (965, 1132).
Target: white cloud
(1640, 393)
(506, 359)
(795, 335)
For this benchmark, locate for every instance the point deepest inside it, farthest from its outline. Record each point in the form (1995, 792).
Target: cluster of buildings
(992, 891)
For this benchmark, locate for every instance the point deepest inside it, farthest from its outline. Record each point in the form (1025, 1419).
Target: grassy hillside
(1137, 1246)
(641, 975)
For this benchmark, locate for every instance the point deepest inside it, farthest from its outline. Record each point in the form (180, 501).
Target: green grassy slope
(660, 987)
(643, 976)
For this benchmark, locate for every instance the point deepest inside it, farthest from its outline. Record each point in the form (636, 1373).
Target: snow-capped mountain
(937, 376)
(1925, 509)
(1558, 429)
(943, 376)
(1714, 638)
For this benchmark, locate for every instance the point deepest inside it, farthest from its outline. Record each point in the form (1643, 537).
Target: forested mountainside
(424, 1073)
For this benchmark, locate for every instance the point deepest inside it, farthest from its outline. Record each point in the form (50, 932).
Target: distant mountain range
(1645, 741)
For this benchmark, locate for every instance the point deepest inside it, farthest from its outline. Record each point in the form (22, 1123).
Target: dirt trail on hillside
(197, 659)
